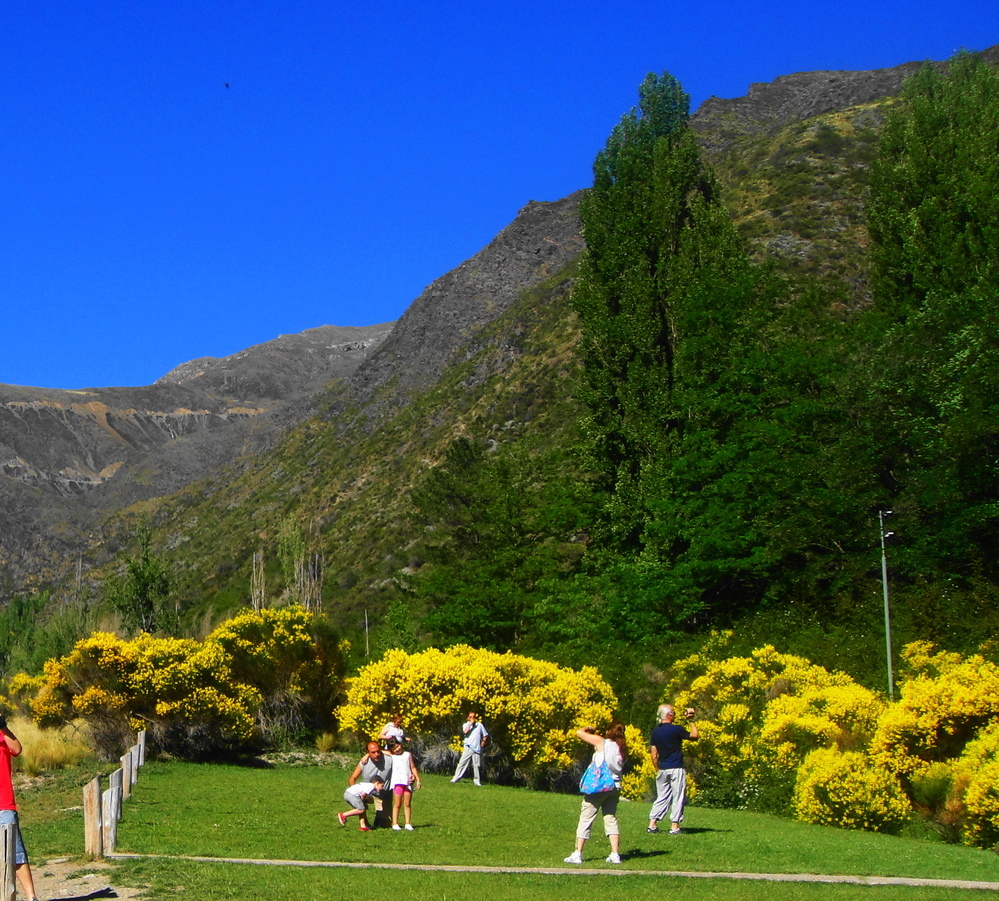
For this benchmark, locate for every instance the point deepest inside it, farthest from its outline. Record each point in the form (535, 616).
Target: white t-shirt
(361, 788)
(402, 768)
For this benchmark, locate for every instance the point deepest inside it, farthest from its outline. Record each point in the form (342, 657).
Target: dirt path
(583, 871)
(70, 879)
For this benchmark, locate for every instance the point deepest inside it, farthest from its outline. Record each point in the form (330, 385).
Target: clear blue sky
(151, 215)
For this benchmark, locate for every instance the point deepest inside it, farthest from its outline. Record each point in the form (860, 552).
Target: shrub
(294, 660)
(181, 691)
(257, 672)
(946, 701)
(759, 716)
(844, 788)
(532, 708)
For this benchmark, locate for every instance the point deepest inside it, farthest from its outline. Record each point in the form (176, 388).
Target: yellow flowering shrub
(945, 702)
(19, 692)
(182, 691)
(942, 740)
(845, 789)
(843, 716)
(640, 772)
(195, 698)
(294, 660)
(532, 708)
(760, 715)
(977, 782)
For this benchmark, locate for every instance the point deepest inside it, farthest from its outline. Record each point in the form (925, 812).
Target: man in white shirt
(475, 739)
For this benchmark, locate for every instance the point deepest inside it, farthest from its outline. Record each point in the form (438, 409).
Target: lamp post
(884, 585)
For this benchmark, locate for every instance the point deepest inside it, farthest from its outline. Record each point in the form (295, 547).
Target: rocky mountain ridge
(769, 106)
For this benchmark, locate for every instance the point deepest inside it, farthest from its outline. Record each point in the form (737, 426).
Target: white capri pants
(605, 802)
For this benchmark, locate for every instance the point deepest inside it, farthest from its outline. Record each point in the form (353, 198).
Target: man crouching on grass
(11, 747)
(359, 796)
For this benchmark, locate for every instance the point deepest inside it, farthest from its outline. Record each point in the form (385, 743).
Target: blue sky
(152, 215)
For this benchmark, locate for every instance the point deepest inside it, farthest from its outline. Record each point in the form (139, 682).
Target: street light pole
(884, 585)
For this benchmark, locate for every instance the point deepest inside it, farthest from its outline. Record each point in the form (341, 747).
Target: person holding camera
(11, 747)
(666, 748)
(475, 737)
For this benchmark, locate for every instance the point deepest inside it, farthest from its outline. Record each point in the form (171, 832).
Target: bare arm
(591, 738)
(357, 771)
(11, 739)
(654, 754)
(416, 775)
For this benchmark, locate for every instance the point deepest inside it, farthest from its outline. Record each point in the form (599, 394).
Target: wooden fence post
(115, 784)
(8, 884)
(142, 748)
(134, 754)
(93, 840)
(126, 778)
(109, 822)
(111, 811)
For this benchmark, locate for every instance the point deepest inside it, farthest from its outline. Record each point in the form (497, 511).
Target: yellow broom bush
(532, 708)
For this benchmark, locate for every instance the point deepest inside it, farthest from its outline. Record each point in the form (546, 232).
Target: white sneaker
(614, 857)
(397, 827)
(575, 857)
(409, 827)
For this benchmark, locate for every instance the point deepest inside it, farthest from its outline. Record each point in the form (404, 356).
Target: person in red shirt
(11, 747)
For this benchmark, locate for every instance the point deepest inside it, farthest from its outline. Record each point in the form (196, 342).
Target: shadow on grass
(642, 854)
(92, 896)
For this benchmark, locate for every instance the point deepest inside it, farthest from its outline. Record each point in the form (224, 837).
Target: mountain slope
(475, 352)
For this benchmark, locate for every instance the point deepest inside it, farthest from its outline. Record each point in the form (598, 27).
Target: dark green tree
(496, 526)
(934, 222)
(140, 594)
(712, 398)
(656, 233)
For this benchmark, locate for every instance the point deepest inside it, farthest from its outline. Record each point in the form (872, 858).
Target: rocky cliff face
(72, 442)
(542, 239)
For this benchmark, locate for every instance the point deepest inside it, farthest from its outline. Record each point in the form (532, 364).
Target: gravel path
(584, 871)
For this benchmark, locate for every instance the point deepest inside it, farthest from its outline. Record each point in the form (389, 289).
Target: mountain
(330, 428)
(70, 457)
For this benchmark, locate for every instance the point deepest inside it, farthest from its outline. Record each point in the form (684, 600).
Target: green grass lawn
(290, 813)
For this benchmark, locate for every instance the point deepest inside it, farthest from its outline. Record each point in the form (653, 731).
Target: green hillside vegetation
(797, 196)
(695, 431)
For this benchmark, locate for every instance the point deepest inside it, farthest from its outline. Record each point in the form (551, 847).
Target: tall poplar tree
(658, 243)
(703, 378)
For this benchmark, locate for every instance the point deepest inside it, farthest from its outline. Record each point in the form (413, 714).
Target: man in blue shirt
(666, 748)
(475, 738)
